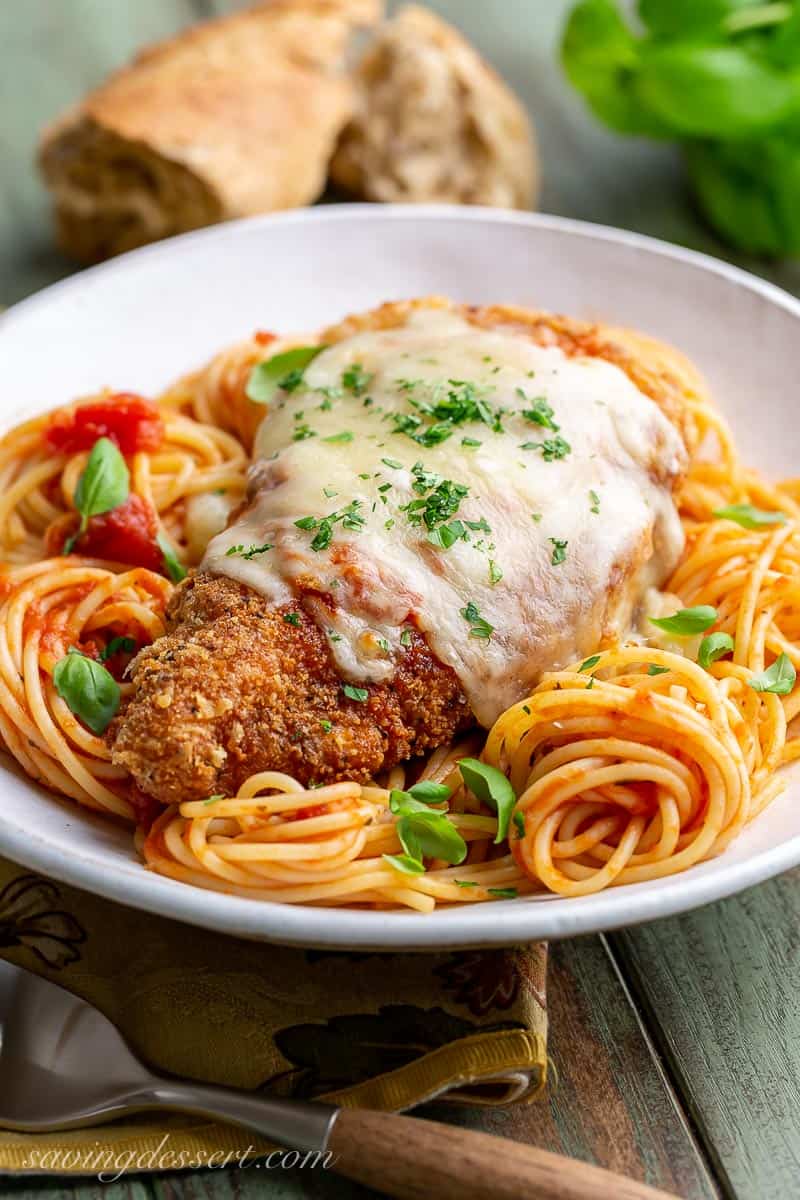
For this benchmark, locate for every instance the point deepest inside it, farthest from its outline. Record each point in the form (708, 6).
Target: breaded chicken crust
(233, 689)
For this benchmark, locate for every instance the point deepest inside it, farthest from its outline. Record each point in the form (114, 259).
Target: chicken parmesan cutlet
(445, 502)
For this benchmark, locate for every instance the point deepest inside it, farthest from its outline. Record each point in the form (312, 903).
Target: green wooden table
(676, 1045)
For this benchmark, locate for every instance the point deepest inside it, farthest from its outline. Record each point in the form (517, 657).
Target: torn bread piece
(231, 118)
(433, 122)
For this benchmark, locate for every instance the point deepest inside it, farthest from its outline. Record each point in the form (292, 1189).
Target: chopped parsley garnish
(348, 517)
(329, 492)
(292, 618)
(302, 432)
(539, 413)
(355, 693)
(594, 502)
(438, 506)
(551, 448)
(405, 637)
(451, 403)
(559, 554)
(654, 669)
(479, 627)
(466, 883)
(519, 823)
(327, 725)
(344, 436)
(509, 893)
(588, 663)
(447, 535)
(495, 573)
(393, 463)
(471, 442)
(356, 379)
(249, 552)
(481, 526)
(536, 517)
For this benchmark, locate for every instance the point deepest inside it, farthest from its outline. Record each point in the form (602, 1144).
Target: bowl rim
(469, 926)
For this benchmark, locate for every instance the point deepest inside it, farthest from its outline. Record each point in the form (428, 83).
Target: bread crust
(230, 118)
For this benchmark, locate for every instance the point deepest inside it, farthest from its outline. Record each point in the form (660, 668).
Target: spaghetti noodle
(633, 765)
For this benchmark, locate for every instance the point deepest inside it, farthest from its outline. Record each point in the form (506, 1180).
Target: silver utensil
(63, 1065)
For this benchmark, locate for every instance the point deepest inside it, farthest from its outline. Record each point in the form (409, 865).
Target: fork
(63, 1065)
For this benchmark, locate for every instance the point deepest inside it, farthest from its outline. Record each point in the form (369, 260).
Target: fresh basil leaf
(429, 792)
(749, 517)
(104, 483)
(405, 863)
(588, 663)
(88, 690)
(491, 787)
(600, 56)
(117, 645)
(431, 835)
(402, 803)
(780, 678)
(717, 91)
(688, 621)
(268, 376)
(685, 18)
(712, 647)
(174, 568)
(749, 190)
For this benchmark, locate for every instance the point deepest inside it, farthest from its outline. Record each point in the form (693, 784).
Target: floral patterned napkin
(384, 1031)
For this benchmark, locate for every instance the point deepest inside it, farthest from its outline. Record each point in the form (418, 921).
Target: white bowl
(141, 320)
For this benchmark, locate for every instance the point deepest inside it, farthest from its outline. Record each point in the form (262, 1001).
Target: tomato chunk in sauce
(127, 534)
(130, 421)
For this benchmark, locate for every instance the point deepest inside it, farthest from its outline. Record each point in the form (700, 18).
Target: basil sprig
(780, 678)
(88, 690)
(118, 645)
(172, 565)
(104, 484)
(424, 832)
(712, 647)
(688, 621)
(284, 370)
(491, 787)
(749, 517)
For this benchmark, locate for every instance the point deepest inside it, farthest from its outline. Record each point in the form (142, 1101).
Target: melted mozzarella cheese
(605, 508)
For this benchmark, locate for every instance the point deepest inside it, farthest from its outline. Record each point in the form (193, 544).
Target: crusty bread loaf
(433, 122)
(233, 117)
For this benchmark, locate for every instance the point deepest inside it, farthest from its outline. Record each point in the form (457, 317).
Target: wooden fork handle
(414, 1159)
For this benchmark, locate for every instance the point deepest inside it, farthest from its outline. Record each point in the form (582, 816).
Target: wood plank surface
(712, 994)
(720, 989)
